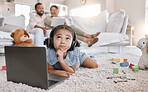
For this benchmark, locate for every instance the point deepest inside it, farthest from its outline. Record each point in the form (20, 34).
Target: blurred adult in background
(90, 39)
(37, 27)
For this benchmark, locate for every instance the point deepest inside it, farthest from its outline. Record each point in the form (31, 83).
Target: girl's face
(62, 40)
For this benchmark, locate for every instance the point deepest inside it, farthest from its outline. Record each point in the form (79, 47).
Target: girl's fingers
(68, 73)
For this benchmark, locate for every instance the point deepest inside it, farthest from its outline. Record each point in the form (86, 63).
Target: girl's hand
(60, 54)
(64, 73)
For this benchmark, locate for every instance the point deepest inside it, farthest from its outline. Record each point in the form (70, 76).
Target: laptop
(57, 21)
(28, 65)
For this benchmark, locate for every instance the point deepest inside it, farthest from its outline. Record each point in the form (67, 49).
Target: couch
(112, 28)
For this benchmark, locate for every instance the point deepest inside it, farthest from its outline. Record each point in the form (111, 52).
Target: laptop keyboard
(51, 82)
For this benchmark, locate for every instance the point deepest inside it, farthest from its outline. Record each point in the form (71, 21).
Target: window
(23, 9)
(62, 9)
(87, 11)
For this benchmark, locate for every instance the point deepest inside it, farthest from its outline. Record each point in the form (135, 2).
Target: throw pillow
(92, 24)
(116, 22)
(125, 23)
(15, 20)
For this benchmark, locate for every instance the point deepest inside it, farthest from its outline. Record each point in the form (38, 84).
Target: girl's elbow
(72, 71)
(95, 66)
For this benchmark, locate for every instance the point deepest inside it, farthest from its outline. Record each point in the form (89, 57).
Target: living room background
(136, 13)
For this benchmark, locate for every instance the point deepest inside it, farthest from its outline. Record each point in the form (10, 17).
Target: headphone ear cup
(50, 43)
(73, 45)
(46, 42)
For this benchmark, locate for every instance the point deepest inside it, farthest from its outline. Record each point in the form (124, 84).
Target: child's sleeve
(51, 57)
(82, 57)
(72, 57)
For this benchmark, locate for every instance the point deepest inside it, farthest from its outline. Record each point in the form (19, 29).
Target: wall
(6, 8)
(7, 5)
(33, 2)
(44, 2)
(77, 4)
(135, 9)
(105, 4)
(110, 6)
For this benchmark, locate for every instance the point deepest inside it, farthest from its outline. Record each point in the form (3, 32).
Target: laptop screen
(27, 65)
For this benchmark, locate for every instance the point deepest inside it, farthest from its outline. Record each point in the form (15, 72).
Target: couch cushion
(92, 24)
(116, 22)
(125, 23)
(15, 20)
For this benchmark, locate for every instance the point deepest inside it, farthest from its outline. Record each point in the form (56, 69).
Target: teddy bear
(21, 38)
(143, 45)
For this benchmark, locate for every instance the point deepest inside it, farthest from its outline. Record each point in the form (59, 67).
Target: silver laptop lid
(57, 21)
(27, 65)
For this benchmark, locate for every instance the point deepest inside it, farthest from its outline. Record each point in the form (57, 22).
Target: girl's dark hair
(75, 43)
(54, 7)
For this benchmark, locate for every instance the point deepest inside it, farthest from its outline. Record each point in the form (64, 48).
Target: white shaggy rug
(90, 80)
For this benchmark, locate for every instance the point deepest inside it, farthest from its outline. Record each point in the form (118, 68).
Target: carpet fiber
(90, 80)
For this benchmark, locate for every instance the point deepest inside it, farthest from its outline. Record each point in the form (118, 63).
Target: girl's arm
(60, 57)
(90, 63)
(57, 72)
(66, 67)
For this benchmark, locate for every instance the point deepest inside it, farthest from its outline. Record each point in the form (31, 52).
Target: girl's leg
(89, 63)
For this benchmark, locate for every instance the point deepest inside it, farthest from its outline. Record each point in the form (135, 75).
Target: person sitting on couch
(36, 25)
(90, 39)
(38, 28)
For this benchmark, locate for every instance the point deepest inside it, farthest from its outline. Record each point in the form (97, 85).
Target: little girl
(63, 55)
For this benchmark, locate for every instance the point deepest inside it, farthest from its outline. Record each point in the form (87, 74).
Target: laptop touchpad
(56, 77)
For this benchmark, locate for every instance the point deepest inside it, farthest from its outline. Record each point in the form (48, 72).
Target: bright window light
(87, 11)
(23, 9)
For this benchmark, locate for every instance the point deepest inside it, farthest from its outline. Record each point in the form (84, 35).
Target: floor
(113, 50)
(2, 60)
(94, 80)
